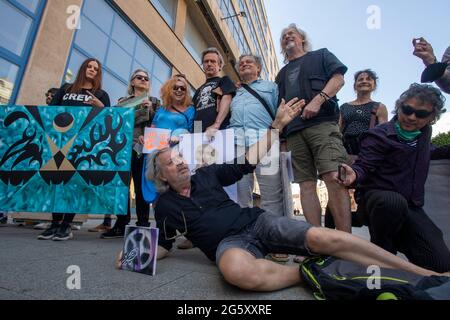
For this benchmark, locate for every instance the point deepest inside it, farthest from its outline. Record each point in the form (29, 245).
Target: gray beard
(290, 48)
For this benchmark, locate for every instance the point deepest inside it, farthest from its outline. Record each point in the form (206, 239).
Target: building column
(48, 58)
(180, 20)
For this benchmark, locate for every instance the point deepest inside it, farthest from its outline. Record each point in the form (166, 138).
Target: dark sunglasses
(140, 78)
(421, 114)
(176, 88)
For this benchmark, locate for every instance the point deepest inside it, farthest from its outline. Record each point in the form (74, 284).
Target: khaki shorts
(316, 150)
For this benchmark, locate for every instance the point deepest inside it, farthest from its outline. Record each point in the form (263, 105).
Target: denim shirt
(249, 119)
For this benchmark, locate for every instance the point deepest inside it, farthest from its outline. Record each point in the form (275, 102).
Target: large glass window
(167, 9)
(193, 39)
(257, 20)
(106, 36)
(31, 5)
(243, 7)
(8, 76)
(19, 20)
(227, 10)
(14, 28)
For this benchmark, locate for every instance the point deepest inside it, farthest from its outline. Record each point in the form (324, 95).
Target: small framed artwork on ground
(140, 250)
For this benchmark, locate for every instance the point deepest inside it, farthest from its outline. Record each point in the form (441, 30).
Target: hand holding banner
(156, 139)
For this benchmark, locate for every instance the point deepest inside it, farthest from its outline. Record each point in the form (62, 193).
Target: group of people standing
(386, 162)
(388, 170)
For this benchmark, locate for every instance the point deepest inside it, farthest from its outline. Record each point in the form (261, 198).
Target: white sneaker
(75, 227)
(42, 226)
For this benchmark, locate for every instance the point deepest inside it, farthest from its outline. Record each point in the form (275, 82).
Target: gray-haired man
(238, 239)
(314, 138)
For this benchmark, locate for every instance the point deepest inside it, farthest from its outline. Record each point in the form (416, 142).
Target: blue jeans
(269, 233)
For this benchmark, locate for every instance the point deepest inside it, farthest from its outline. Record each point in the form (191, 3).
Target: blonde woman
(138, 87)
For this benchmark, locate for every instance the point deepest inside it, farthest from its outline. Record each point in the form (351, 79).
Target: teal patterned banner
(65, 159)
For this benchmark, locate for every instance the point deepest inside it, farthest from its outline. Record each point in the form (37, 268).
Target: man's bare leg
(352, 248)
(310, 203)
(339, 202)
(243, 270)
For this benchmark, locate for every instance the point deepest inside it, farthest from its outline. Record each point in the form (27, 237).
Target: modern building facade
(43, 42)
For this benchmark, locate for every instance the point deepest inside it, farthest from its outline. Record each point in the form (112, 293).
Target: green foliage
(441, 139)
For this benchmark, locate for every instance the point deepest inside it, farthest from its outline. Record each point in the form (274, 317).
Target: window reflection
(115, 88)
(167, 9)
(124, 35)
(29, 4)
(75, 62)
(14, 28)
(8, 75)
(144, 55)
(193, 39)
(119, 61)
(92, 40)
(156, 87)
(100, 13)
(121, 50)
(18, 20)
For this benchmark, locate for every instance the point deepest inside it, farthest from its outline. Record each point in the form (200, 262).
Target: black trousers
(142, 207)
(64, 217)
(398, 227)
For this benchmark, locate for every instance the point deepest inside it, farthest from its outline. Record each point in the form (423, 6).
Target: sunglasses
(176, 88)
(421, 114)
(140, 78)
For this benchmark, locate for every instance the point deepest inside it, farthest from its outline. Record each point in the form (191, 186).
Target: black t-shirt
(292, 74)
(210, 214)
(205, 101)
(304, 78)
(65, 98)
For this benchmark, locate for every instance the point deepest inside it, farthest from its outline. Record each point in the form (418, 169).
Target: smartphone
(418, 40)
(342, 173)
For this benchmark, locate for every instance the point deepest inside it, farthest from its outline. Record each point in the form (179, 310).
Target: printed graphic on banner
(156, 139)
(140, 250)
(199, 151)
(65, 159)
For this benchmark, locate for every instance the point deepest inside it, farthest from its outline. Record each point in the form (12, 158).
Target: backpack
(335, 279)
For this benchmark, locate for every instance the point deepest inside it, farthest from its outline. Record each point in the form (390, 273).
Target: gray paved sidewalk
(34, 269)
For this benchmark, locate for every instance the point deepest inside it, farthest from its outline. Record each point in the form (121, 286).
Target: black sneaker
(3, 221)
(114, 233)
(64, 233)
(49, 233)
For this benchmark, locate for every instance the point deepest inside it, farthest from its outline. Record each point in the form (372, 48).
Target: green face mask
(406, 135)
